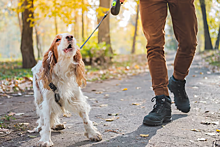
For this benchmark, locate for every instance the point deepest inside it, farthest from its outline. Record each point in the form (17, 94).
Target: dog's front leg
(45, 133)
(91, 131)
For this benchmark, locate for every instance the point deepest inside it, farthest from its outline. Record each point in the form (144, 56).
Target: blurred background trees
(27, 28)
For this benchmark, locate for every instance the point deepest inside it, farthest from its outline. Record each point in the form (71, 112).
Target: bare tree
(38, 43)
(135, 30)
(104, 29)
(208, 42)
(27, 50)
(83, 37)
(218, 39)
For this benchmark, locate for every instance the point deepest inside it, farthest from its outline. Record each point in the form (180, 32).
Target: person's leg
(185, 29)
(153, 17)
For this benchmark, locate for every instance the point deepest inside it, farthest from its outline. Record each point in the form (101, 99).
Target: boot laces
(159, 104)
(181, 91)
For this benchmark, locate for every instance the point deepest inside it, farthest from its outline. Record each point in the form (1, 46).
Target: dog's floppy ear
(49, 60)
(80, 69)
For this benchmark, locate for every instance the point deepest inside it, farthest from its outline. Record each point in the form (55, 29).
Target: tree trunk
(39, 51)
(27, 49)
(104, 29)
(135, 31)
(218, 39)
(208, 42)
(83, 37)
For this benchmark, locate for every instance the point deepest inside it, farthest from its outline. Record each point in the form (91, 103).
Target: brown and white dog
(63, 66)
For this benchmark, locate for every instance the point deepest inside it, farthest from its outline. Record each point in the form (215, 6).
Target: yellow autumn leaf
(104, 105)
(144, 135)
(109, 120)
(125, 89)
(218, 130)
(66, 115)
(137, 104)
(136, 66)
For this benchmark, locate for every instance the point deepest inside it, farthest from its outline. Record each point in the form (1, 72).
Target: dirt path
(132, 105)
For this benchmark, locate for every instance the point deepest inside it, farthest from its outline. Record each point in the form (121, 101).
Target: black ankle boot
(161, 112)
(180, 96)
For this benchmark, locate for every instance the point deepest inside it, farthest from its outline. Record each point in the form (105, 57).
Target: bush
(96, 54)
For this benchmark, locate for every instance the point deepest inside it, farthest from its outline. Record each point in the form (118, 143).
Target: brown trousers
(153, 16)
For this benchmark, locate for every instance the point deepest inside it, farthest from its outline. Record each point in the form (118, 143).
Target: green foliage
(213, 58)
(95, 50)
(8, 117)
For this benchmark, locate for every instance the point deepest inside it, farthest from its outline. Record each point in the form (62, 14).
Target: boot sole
(158, 123)
(184, 111)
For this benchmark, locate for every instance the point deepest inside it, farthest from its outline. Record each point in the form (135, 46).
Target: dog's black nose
(69, 38)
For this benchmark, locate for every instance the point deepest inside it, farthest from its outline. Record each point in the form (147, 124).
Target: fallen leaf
(195, 87)
(144, 135)
(18, 114)
(204, 102)
(31, 136)
(194, 75)
(11, 114)
(201, 73)
(5, 95)
(31, 131)
(218, 130)
(67, 115)
(136, 66)
(113, 114)
(25, 124)
(111, 119)
(100, 92)
(195, 130)
(209, 123)
(104, 105)
(106, 95)
(114, 131)
(125, 89)
(122, 99)
(211, 134)
(137, 104)
(7, 131)
(202, 139)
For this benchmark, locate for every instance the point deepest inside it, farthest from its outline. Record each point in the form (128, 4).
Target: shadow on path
(130, 139)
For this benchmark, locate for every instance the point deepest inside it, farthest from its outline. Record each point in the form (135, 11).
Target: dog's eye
(57, 40)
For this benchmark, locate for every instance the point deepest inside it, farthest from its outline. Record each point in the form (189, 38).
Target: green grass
(13, 70)
(213, 57)
(216, 63)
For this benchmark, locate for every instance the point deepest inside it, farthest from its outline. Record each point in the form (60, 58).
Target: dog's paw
(59, 127)
(94, 135)
(45, 143)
